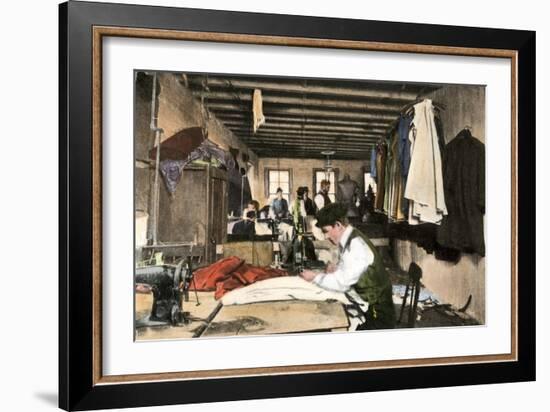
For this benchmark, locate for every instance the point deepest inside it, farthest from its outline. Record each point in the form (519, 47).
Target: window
(332, 177)
(275, 178)
(369, 180)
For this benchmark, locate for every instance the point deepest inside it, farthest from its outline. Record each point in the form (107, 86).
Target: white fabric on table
(280, 289)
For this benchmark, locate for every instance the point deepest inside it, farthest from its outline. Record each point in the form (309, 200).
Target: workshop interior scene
(272, 205)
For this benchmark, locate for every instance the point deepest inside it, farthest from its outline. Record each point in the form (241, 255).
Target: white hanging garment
(425, 180)
(257, 110)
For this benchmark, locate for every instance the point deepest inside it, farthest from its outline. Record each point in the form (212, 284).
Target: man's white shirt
(352, 263)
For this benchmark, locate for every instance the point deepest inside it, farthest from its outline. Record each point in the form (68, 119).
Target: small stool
(415, 273)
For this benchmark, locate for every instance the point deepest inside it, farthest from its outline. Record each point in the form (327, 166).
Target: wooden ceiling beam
(306, 101)
(311, 139)
(306, 154)
(305, 112)
(335, 142)
(297, 126)
(381, 91)
(313, 148)
(236, 117)
(270, 132)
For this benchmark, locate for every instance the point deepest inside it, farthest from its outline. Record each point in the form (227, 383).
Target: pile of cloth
(231, 273)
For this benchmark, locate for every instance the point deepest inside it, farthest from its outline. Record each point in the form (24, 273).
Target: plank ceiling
(305, 117)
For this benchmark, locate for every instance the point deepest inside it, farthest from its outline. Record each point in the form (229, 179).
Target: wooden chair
(413, 284)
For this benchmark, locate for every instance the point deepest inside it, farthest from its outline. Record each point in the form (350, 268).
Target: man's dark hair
(330, 214)
(279, 190)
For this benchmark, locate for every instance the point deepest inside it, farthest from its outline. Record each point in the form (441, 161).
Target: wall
(465, 106)
(453, 283)
(177, 109)
(302, 173)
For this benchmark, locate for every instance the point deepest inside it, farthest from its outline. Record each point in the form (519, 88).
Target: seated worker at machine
(279, 206)
(360, 269)
(246, 226)
(253, 206)
(264, 212)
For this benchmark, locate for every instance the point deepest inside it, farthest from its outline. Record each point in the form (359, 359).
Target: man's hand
(308, 275)
(331, 267)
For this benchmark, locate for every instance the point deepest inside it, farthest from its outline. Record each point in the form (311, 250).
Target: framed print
(257, 206)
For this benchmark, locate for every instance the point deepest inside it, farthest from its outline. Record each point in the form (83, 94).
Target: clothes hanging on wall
(424, 186)
(381, 155)
(387, 178)
(395, 193)
(404, 144)
(464, 176)
(373, 162)
(440, 137)
(425, 237)
(404, 148)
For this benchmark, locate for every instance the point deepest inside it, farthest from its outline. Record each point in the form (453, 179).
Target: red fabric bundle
(231, 273)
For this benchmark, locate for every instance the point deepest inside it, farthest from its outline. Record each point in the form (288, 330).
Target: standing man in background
(309, 204)
(322, 198)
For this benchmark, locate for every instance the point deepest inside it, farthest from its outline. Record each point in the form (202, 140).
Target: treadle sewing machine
(302, 253)
(170, 287)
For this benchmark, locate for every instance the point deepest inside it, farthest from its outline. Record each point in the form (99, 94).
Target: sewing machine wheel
(175, 315)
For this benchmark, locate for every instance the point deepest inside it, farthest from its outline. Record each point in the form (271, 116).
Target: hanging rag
(257, 110)
(171, 173)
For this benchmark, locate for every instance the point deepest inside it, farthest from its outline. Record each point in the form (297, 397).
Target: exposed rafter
(306, 116)
(377, 90)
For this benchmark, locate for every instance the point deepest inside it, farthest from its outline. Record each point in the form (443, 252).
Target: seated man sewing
(246, 226)
(360, 269)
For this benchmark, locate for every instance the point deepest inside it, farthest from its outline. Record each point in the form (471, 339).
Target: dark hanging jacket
(464, 186)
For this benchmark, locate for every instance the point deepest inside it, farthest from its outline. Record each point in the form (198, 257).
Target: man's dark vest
(326, 198)
(374, 287)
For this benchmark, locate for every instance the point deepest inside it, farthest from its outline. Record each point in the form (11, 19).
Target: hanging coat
(464, 176)
(380, 174)
(425, 181)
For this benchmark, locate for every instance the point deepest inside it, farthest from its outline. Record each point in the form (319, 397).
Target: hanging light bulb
(328, 163)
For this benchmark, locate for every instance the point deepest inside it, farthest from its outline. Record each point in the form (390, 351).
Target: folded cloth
(231, 273)
(282, 288)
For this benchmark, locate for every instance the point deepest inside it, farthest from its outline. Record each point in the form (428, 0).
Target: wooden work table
(265, 318)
